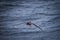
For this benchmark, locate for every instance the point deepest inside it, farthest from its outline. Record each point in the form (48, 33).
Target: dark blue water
(45, 14)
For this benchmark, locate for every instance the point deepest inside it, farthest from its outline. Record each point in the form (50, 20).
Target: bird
(30, 23)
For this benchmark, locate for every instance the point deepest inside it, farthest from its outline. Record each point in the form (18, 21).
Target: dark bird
(30, 23)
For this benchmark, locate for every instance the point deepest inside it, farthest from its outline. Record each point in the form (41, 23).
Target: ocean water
(45, 14)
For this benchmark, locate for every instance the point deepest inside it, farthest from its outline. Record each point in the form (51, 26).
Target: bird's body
(29, 23)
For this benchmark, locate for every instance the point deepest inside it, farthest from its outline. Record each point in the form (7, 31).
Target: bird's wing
(37, 26)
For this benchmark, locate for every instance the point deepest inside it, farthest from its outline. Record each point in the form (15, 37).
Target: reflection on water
(45, 14)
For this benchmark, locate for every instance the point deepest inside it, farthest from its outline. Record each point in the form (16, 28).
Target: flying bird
(30, 23)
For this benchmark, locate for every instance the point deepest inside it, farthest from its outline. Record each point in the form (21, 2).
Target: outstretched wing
(37, 26)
